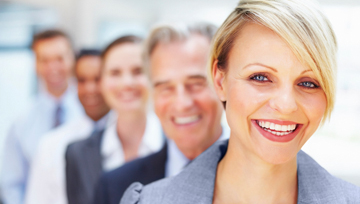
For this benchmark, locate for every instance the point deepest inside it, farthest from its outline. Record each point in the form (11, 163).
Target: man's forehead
(52, 45)
(177, 77)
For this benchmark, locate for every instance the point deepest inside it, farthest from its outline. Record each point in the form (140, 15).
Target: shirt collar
(111, 148)
(67, 99)
(177, 160)
(102, 122)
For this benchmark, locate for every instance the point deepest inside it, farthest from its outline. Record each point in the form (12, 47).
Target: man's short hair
(88, 52)
(168, 33)
(49, 34)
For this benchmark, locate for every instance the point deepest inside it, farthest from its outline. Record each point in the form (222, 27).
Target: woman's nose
(127, 80)
(284, 100)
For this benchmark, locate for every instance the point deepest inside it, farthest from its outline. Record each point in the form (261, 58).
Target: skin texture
(89, 92)
(264, 81)
(125, 89)
(186, 105)
(54, 63)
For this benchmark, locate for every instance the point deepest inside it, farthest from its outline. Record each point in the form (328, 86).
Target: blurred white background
(94, 23)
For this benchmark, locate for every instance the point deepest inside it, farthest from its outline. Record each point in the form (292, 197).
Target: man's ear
(219, 78)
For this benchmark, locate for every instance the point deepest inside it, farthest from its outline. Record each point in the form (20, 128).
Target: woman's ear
(219, 78)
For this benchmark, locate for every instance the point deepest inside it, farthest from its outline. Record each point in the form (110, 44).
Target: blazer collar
(315, 184)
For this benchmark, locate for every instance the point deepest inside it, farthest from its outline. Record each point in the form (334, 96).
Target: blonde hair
(168, 33)
(299, 23)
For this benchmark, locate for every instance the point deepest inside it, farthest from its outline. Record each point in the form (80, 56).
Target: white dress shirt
(111, 148)
(47, 173)
(177, 161)
(22, 141)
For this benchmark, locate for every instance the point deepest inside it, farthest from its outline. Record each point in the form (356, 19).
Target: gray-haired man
(189, 110)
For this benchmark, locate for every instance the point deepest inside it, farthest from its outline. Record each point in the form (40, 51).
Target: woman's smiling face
(273, 101)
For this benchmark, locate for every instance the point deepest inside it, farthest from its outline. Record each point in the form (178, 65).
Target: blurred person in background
(47, 174)
(136, 132)
(188, 108)
(56, 103)
(274, 64)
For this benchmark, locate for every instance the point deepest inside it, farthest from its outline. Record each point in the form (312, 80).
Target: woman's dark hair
(121, 40)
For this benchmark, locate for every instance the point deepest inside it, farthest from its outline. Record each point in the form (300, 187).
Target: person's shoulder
(317, 183)
(27, 114)
(75, 147)
(154, 192)
(129, 168)
(133, 169)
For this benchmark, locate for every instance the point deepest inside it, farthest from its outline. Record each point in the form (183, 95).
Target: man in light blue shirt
(56, 103)
(46, 182)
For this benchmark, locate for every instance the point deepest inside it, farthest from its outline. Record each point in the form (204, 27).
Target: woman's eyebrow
(259, 64)
(308, 70)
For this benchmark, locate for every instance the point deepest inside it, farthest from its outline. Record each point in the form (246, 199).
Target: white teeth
(186, 120)
(272, 126)
(277, 129)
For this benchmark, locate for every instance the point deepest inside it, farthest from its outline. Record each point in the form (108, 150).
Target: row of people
(70, 159)
(272, 65)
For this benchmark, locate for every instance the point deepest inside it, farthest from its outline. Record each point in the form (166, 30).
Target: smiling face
(187, 107)
(88, 77)
(54, 62)
(273, 101)
(124, 85)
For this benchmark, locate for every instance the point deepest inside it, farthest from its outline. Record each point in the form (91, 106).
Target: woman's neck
(130, 130)
(244, 178)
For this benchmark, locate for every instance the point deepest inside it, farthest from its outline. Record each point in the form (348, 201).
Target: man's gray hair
(168, 33)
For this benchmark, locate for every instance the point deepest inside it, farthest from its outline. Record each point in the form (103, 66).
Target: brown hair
(49, 34)
(119, 41)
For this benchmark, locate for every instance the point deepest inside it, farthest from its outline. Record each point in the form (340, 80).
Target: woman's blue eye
(260, 78)
(308, 84)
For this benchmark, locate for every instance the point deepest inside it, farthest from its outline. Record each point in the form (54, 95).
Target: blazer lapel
(92, 162)
(197, 180)
(154, 169)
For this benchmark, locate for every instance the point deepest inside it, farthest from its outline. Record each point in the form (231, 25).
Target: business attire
(169, 161)
(44, 114)
(196, 183)
(86, 160)
(47, 173)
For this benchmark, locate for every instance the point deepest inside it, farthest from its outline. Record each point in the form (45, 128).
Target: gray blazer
(83, 168)
(195, 184)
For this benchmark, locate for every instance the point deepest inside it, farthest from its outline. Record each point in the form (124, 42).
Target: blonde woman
(273, 65)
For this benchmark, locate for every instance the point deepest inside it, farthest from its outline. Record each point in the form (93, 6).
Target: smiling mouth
(276, 129)
(128, 95)
(186, 120)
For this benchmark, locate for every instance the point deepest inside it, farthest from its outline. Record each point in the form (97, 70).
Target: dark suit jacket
(113, 184)
(83, 169)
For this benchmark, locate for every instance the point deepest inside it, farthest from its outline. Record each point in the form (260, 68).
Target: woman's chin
(278, 156)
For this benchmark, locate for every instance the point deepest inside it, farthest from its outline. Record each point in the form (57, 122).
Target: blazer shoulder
(93, 140)
(315, 183)
(144, 170)
(137, 193)
(132, 194)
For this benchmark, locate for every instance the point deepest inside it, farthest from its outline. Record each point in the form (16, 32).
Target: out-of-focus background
(94, 23)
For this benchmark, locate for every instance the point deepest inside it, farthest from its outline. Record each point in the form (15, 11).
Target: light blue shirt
(176, 160)
(22, 141)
